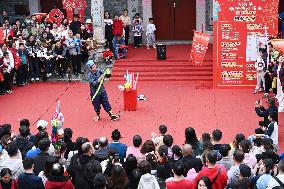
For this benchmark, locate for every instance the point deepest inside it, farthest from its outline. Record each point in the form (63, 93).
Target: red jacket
(16, 57)
(107, 54)
(182, 184)
(59, 183)
(117, 27)
(13, 186)
(211, 173)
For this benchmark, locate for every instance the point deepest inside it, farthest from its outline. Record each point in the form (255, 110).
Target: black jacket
(40, 161)
(29, 181)
(85, 170)
(75, 27)
(191, 162)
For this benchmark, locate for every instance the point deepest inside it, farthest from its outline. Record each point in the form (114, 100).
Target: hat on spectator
(89, 21)
(42, 123)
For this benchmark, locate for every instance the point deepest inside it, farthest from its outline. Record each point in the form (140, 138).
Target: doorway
(174, 19)
(47, 6)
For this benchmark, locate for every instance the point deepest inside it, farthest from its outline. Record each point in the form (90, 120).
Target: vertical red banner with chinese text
(239, 28)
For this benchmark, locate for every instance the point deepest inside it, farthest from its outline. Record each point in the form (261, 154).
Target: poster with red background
(236, 24)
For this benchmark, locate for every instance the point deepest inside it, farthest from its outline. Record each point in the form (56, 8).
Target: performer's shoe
(114, 117)
(97, 118)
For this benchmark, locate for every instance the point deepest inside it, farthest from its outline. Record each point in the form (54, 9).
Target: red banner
(2, 36)
(199, 47)
(240, 29)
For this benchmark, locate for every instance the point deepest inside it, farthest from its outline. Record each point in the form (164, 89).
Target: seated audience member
(264, 178)
(244, 180)
(102, 153)
(216, 174)
(216, 138)
(28, 180)
(57, 179)
(119, 147)
(234, 171)
(277, 181)
(147, 180)
(100, 181)
(189, 160)
(249, 159)
(40, 159)
(119, 46)
(158, 140)
(168, 141)
(191, 138)
(135, 149)
(14, 163)
(204, 183)
(226, 161)
(178, 181)
(7, 181)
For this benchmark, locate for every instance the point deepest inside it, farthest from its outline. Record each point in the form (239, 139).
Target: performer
(96, 79)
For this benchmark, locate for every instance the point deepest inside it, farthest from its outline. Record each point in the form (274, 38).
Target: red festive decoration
(199, 47)
(55, 15)
(39, 16)
(69, 6)
(81, 5)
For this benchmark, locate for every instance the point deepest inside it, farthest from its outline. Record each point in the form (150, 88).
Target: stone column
(133, 7)
(97, 12)
(34, 6)
(147, 13)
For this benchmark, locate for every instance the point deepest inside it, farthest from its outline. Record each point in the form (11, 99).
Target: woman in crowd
(117, 28)
(118, 178)
(126, 25)
(108, 29)
(204, 183)
(7, 182)
(191, 138)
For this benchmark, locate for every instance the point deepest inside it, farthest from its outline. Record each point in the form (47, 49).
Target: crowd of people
(34, 161)
(35, 49)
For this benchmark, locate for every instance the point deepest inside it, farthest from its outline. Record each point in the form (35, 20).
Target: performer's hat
(90, 63)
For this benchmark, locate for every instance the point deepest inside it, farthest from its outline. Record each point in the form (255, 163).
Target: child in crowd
(137, 30)
(108, 55)
(151, 28)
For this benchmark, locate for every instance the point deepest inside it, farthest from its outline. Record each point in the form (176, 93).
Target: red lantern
(55, 15)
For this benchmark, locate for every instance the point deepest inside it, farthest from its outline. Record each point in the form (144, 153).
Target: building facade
(175, 19)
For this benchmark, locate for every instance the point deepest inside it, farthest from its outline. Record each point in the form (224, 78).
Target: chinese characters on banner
(70, 5)
(199, 47)
(97, 13)
(240, 28)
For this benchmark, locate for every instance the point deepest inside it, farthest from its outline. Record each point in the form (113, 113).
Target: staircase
(166, 70)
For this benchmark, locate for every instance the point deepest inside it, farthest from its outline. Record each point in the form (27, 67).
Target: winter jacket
(39, 162)
(15, 165)
(59, 183)
(217, 175)
(24, 144)
(148, 181)
(29, 181)
(117, 27)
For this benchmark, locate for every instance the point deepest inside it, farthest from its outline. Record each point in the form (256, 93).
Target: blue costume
(101, 98)
(116, 44)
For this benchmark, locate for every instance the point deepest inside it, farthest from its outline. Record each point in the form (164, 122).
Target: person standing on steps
(126, 25)
(95, 78)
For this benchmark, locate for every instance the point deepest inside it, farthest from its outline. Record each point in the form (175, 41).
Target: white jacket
(148, 181)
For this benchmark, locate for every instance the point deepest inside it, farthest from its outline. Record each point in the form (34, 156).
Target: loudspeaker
(161, 51)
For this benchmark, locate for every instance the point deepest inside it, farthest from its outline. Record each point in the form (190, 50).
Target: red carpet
(176, 104)
(177, 66)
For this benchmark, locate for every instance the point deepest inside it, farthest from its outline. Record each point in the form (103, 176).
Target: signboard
(97, 13)
(240, 28)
